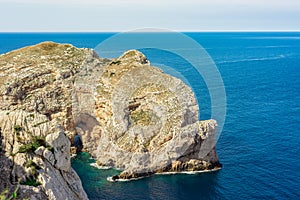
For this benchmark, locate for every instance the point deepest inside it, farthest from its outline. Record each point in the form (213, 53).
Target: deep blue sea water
(260, 143)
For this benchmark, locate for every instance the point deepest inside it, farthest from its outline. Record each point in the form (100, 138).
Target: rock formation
(130, 115)
(35, 117)
(138, 119)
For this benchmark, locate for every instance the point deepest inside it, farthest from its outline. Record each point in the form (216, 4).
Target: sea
(259, 144)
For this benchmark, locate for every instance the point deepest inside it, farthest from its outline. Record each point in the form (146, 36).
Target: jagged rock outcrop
(35, 118)
(142, 120)
(40, 163)
(130, 115)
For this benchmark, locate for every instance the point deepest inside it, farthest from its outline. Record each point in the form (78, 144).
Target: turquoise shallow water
(259, 145)
(155, 187)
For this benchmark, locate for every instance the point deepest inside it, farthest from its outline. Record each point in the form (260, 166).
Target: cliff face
(130, 116)
(35, 117)
(136, 118)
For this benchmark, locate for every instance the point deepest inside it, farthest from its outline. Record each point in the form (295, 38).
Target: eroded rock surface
(142, 120)
(36, 85)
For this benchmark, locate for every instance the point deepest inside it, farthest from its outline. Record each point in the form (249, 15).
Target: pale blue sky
(125, 15)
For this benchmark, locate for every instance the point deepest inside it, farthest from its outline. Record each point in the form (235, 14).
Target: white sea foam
(252, 59)
(189, 172)
(164, 173)
(99, 167)
(266, 47)
(73, 155)
(123, 180)
(275, 38)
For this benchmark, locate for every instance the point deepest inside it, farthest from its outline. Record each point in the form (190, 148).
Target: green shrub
(26, 148)
(35, 143)
(19, 139)
(31, 182)
(30, 163)
(18, 129)
(39, 140)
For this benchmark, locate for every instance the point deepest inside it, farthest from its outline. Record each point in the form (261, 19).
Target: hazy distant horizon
(119, 31)
(120, 16)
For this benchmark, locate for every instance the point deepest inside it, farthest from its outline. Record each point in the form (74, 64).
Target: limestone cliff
(130, 115)
(134, 117)
(35, 115)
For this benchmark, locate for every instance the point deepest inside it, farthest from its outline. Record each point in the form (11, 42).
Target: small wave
(110, 179)
(73, 155)
(99, 167)
(189, 172)
(252, 59)
(267, 47)
(275, 38)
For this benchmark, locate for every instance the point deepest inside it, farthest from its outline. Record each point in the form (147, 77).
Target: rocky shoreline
(174, 168)
(118, 179)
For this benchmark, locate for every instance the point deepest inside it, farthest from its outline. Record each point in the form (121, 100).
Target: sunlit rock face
(36, 86)
(134, 117)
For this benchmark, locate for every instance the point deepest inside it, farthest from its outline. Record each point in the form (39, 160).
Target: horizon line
(155, 31)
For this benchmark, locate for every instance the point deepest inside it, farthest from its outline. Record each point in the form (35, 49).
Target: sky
(126, 15)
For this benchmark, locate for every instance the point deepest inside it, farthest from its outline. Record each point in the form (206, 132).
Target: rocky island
(129, 114)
